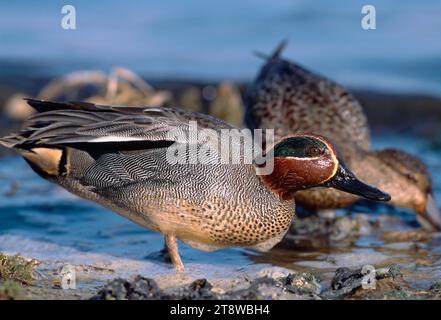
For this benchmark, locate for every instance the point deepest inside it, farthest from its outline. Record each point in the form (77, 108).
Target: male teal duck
(290, 99)
(117, 157)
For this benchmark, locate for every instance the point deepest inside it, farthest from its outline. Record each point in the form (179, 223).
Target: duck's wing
(291, 99)
(88, 125)
(93, 150)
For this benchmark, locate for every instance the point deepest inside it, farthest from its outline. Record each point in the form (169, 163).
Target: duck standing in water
(117, 156)
(292, 100)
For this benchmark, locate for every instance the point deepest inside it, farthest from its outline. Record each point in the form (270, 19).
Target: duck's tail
(276, 53)
(43, 159)
(10, 141)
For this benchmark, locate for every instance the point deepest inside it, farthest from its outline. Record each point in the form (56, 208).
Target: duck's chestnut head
(308, 161)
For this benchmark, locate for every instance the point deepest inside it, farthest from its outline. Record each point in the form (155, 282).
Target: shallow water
(42, 221)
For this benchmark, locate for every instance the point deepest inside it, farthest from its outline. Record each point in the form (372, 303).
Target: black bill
(345, 180)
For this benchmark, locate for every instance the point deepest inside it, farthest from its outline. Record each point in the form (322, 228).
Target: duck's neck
(381, 169)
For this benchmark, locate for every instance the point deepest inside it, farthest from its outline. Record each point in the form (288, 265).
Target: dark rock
(199, 289)
(301, 286)
(139, 289)
(263, 288)
(347, 281)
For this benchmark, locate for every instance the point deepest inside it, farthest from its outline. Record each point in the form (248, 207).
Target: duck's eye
(411, 177)
(314, 151)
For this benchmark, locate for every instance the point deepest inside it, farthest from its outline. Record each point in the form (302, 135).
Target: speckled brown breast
(208, 206)
(291, 100)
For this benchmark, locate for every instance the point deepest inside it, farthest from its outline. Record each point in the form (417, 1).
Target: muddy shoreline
(318, 259)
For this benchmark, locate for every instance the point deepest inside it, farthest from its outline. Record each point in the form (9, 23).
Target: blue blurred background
(207, 40)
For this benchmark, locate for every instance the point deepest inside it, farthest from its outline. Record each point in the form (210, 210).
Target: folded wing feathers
(68, 123)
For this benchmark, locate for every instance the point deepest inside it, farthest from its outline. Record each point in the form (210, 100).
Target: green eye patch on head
(300, 147)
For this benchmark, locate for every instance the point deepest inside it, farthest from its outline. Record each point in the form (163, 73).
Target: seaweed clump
(17, 268)
(15, 271)
(10, 290)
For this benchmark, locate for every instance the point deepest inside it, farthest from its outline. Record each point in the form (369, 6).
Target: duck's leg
(172, 245)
